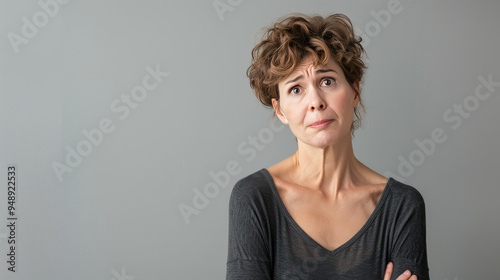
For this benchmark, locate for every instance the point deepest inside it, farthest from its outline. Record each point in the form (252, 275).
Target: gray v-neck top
(266, 243)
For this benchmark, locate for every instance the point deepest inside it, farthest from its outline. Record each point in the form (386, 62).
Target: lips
(321, 123)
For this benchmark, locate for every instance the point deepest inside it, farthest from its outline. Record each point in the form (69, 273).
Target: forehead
(307, 66)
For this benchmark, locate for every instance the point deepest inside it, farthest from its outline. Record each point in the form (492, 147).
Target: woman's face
(317, 94)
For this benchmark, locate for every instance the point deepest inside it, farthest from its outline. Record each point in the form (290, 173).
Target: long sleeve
(410, 246)
(248, 253)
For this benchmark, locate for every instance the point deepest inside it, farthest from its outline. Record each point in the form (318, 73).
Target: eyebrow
(320, 71)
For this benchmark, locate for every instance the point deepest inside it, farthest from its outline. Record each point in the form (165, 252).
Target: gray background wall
(115, 212)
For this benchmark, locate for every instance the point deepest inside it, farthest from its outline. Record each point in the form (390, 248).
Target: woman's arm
(405, 276)
(409, 249)
(248, 253)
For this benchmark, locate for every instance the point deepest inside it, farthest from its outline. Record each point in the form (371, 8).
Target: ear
(277, 109)
(356, 96)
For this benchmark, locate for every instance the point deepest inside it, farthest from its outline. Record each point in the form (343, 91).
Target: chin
(323, 142)
(325, 139)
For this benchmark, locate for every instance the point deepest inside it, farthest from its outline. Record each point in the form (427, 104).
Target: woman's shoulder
(254, 185)
(253, 193)
(405, 191)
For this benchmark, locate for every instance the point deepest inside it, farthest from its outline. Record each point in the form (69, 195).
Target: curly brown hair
(296, 36)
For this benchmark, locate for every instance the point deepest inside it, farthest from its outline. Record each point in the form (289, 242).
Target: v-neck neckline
(306, 236)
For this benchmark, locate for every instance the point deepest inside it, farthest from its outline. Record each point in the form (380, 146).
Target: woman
(321, 213)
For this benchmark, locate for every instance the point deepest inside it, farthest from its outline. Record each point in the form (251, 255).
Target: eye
(295, 90)
(327, 82)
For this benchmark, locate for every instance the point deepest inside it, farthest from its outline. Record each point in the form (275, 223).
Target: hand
(388, 273)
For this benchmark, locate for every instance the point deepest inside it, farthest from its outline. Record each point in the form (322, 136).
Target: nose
(316, 100)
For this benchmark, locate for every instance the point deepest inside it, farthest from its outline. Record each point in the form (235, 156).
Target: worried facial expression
(317, 102)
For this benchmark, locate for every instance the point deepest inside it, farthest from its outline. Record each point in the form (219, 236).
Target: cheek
(295, 110)
(295, 117)
(341, 103)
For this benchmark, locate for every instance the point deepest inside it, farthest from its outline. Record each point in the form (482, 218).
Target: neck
(330, 170)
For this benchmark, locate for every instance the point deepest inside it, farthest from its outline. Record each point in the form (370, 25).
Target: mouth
(321, 123)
